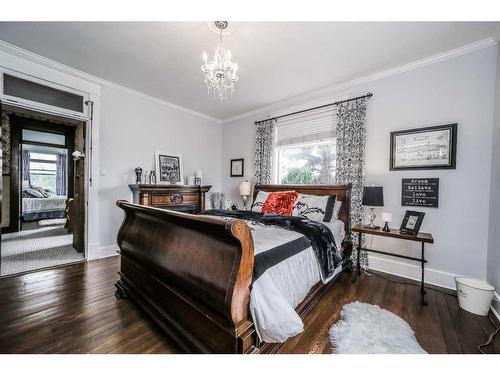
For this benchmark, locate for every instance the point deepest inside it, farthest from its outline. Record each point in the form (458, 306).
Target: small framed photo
(197, 181)
(168, 168)
(412, 222)
(237, 167)
(432, 147)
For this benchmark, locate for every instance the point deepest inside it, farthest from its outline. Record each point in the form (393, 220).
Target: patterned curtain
(351, 140)
(264, 151)
(61, 173)
(5, 144)
(25, 154)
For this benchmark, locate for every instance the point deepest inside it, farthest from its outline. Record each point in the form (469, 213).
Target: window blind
(307, 127)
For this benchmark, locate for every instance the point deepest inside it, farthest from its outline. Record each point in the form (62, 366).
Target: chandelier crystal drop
(220, 71)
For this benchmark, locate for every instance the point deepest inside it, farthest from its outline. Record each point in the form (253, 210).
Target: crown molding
(327, 93)
(318, 95)
(52, 64)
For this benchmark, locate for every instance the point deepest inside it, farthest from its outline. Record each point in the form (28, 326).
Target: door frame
(89, 161)
(18, 123)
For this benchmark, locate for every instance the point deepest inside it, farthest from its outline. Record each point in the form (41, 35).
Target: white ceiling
(277, 60)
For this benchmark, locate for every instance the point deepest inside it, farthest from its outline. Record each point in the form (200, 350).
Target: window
(312, 163)
(43, 170)
(44, 137)
(306, 148)
(21, 88)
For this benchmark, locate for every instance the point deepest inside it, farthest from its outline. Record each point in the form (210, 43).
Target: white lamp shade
(387, 217)
(245, 188)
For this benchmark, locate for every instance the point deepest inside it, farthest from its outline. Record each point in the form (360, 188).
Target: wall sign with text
(421, 192)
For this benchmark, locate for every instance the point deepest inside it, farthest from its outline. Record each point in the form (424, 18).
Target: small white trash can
(474, 295)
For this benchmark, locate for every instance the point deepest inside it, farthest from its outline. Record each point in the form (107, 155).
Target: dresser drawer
(173, 199)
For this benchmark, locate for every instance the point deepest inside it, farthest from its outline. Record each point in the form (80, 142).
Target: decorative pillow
(280, 203)
(42, 191)
(259, 201)
(33, 193)
(336, 209)
(315, 207)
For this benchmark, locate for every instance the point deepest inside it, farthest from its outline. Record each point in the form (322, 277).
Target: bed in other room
(40, 204)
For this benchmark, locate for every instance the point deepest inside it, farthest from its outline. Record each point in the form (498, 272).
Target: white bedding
(36, 205)
(279, 290)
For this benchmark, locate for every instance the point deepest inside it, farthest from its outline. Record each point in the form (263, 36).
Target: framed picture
(197, 181)
(411, 222)
(168, 168)
(433, 147)
(237, 167)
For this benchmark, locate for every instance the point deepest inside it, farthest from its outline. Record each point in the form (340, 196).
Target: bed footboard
(191, 274)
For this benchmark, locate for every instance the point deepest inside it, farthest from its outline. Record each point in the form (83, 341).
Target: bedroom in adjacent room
(42, 217)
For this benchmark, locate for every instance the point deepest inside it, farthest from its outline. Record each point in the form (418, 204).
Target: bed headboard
(343, 193)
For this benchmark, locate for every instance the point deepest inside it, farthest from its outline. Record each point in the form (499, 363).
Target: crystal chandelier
(220, 72)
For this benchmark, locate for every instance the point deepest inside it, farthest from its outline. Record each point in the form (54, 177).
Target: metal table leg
(422, 288)
(358, 261)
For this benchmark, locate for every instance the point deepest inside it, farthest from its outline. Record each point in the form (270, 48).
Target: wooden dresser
(185, 198)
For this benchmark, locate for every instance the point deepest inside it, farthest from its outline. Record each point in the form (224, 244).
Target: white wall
(131, 129)
(494, 232)
(128, 127)
(456, 90)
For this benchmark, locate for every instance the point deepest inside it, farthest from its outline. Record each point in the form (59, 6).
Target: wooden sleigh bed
(192, 273)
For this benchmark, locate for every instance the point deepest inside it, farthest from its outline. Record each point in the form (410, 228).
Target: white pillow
(336, 209)
(259, 201)
(315, 207)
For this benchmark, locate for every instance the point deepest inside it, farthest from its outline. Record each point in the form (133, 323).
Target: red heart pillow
(280, 203)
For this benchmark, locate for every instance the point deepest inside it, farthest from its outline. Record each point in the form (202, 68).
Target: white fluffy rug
(368, 329)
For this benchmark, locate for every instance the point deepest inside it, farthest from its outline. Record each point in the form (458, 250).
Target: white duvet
(281, 288)
(35, 205)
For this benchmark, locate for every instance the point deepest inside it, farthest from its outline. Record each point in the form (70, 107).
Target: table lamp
(386, 218)
(245, 190)
(373, 196)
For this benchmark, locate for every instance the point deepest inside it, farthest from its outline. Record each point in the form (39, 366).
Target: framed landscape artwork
(168, 168)
(432, 147)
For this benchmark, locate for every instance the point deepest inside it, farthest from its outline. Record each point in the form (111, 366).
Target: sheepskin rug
(368, 329)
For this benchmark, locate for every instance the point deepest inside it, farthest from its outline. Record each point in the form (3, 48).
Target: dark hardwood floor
(73, 310)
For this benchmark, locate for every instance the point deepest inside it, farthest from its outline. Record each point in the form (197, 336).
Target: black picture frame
(411, 222)
(451, 152)
(197, 181)
(234, 163)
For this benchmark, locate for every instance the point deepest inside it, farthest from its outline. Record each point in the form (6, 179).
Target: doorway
(43, 213)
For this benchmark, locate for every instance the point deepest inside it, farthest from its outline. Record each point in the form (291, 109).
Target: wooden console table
(421, 237)
(185, 198)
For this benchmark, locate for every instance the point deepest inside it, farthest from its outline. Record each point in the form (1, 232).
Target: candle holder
(387, 218)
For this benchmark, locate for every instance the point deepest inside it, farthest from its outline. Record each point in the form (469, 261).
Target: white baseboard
(108, 251)
(411, 271)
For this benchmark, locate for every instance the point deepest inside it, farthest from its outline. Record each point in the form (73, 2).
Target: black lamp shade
(373, 196)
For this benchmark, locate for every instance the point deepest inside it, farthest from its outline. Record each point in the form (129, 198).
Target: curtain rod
(367, 95)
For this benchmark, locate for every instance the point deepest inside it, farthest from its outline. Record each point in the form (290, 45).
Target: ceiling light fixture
(220, 72)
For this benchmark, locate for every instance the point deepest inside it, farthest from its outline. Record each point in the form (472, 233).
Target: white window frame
(42, 106)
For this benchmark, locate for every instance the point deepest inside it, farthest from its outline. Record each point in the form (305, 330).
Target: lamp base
(386, 227)
(245, 200)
